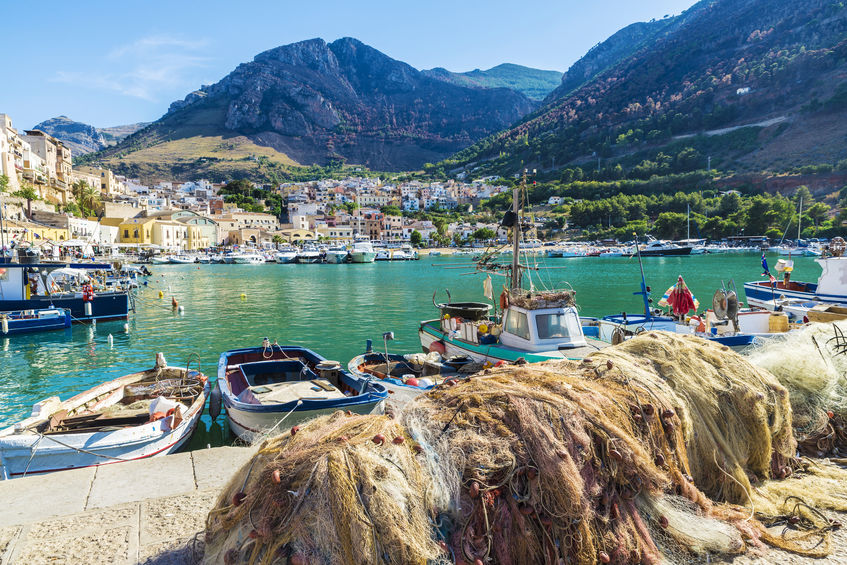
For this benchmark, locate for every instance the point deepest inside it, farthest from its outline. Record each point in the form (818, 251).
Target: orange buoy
(438, 346)
(155, 416)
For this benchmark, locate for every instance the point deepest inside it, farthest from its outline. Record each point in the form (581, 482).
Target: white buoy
(88, 309)
(111, 341)
(5, 323)
(126, 327)
(181, 309)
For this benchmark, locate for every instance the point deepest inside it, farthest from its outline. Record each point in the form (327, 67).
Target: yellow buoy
(243, 296)
(483, 329)
(161, 294)
(446, 316)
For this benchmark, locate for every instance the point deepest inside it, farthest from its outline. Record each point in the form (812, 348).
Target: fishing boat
(160, 260)
(831, 286)
(182, 259)
(149, 413)
(362, 252)
(263, 388)
(25, 321)
(533, 326)
(45, 286)
(405, 376)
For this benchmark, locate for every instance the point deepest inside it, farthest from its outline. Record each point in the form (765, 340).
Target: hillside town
(45, 198)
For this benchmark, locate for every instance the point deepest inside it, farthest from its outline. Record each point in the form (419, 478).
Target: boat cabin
(543, 329)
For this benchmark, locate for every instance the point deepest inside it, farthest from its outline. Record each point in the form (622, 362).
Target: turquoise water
(332, 309)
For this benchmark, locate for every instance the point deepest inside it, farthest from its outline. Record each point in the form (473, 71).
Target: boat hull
(249, 425)
(59, 321)
(362, 256)
(433, 339)
(105, 306)
(761, 294)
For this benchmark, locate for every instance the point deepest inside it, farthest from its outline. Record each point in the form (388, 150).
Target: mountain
(82, 138)
(754, 84)
(535, 84)
(317, 103)
(609, 52)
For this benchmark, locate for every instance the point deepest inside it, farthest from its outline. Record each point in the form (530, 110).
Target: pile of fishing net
(655, 450)
(533, 300)
(812, 364)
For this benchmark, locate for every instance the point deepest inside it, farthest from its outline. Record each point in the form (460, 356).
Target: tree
(4, 183)
(87, 197)
(277, 239)
(26, 191)
(483, 234)
(391, 211)
(241, 186)
(415, 238)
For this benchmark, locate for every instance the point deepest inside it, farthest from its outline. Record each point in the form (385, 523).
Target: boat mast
(688, 236)
(799, 218)
(516, 265)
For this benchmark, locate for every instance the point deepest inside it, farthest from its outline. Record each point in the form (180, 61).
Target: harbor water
(332, 309)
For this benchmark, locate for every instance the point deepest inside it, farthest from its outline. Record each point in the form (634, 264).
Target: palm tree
(87, 197)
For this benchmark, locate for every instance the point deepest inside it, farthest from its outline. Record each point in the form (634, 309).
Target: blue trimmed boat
(37, 286)
(263, 388)
(25, 321)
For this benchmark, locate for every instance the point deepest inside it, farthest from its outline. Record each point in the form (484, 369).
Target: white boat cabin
(541, 329)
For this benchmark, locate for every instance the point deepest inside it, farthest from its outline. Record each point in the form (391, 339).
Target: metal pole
(516, 267)
(643, 292)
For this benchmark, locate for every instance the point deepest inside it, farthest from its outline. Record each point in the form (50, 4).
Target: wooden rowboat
(141, 415)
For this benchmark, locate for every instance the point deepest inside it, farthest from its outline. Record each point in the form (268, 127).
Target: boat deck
(281, 393)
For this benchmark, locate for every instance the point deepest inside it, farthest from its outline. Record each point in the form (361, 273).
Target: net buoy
(161, 294)
(243, 296)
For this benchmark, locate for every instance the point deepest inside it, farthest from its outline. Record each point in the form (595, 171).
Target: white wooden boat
(248, 259)
(265, 388)
(141, 415)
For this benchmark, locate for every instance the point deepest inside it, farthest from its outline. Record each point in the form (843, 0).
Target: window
(135, 234)
(560, 325)
(126, 233)
(516, 324)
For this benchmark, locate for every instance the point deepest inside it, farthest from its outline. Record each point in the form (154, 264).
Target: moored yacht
(337, 254)
(363, 252)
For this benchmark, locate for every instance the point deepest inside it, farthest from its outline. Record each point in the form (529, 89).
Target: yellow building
(196, 239)
(15, 230)
(136, 230)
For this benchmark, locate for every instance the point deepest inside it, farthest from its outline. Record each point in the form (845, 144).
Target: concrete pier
(133, 512)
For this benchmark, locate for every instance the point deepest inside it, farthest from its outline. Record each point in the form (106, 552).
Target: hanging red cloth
(681, 299)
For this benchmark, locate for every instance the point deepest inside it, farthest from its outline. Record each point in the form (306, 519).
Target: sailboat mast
(799, 219)
(516, 266)
(688, 236)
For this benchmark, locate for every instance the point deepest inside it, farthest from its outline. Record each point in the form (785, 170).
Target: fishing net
(326, 493)
(811, 363)
(533, 300)
(652, 451)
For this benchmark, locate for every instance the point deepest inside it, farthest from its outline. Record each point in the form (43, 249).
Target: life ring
(437, 346)
(701, 325)
(504, 300)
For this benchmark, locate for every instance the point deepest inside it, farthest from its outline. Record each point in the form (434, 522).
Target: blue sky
(112, 63)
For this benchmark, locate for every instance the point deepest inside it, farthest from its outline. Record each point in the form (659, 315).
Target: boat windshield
(558, 325)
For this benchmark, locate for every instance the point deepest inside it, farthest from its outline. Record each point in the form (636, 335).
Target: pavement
(145, 511)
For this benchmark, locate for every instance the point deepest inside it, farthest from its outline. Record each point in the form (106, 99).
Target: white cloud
(144, 68)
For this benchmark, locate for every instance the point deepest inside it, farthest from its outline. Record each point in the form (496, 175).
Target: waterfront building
(136, 230)
(11, 153)
(56, 165)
